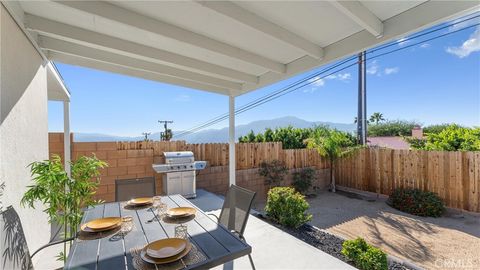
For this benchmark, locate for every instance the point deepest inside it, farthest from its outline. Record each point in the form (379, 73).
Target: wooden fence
(454, 176)
(248, 155)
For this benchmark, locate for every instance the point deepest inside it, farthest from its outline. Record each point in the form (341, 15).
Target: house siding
(23, 124)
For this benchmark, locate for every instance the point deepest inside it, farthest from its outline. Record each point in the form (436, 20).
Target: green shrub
(287, 207)
(454, 138)
(435, 129)
(273, 172)
(302, 180)
(417, 202)
(363, 255)
(391, 128)
(290, 137)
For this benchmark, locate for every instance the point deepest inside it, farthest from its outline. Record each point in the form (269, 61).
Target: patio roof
(229, 48)
(57, 90)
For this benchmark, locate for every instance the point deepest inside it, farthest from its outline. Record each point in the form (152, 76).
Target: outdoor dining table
(214, 241)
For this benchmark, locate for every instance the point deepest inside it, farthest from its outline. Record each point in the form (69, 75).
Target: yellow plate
(140, 201)
(149, 259)
(102, 224)
(165, 248)
(181, 212)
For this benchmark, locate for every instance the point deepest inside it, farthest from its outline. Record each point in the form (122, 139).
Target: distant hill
(221, 135)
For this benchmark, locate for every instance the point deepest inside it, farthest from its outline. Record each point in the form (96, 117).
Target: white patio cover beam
(361, 15)
(66, 137)
(415, 19)
(109, 43)
(231, 141)
(85, 62)
(251, 19)
(130, 18)
(56, 45)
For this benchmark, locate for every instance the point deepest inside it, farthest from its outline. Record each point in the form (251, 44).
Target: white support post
(66, 135)
(231, 140)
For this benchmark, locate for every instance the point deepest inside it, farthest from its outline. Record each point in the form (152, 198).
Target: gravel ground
(448, 242)
(328, 243)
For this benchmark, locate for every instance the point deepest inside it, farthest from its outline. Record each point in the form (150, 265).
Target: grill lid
(181, 154)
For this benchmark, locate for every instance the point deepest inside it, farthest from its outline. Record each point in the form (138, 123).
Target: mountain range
(220, 135)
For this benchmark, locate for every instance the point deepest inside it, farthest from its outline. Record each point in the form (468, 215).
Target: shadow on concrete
(13, 245)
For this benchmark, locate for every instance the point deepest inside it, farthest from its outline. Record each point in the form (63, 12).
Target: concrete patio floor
(271, 247)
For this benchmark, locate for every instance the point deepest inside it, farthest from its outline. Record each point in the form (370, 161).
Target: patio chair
(235, 211)
(13, 245)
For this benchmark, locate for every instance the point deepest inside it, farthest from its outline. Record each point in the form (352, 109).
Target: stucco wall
(23, 123)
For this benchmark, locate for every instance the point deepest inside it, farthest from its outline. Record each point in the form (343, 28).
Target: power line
(315, 77)
(311, 77)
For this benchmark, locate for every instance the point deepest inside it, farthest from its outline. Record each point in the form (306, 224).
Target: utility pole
(146, 134)
(167, 134)
(362, 99)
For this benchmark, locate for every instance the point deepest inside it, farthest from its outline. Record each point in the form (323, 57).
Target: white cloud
(344, 76)
(341, 76)
(425, 45)
(373, 68)
(472, 44)
(318, 82)
(182, 98)
(391, 70)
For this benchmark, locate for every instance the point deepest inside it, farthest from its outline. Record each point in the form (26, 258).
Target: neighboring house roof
(388, 142)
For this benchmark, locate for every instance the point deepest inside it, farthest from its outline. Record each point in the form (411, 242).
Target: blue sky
(433, 82)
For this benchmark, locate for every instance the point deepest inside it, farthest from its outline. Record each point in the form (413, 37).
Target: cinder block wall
(129, 164)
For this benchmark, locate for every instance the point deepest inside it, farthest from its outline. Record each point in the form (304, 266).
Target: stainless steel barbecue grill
(180, 173)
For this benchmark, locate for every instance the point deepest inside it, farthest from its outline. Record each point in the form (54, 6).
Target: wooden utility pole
(146, 134)
(167, 134)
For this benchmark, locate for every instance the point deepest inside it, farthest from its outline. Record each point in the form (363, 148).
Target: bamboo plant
(64, 197)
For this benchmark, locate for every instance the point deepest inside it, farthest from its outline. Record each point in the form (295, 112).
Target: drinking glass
(127, 223)
(162, 209)
(181, 231)
(157, 200)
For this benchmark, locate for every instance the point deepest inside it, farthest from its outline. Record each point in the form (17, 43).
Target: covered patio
(223, 47)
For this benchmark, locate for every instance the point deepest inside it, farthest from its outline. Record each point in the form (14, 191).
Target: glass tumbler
(156, 201)
(181, 231)
(127, 223)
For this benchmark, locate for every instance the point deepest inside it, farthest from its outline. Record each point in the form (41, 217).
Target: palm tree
(331, 144)
(376, 117)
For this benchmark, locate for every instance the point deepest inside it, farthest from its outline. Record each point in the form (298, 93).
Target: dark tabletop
(113, 252)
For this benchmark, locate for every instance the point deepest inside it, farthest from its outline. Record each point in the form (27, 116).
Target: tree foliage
(435, 128)
(391, 128)
(290, 137)
(331, 144)
(376, 118)
(451, 138)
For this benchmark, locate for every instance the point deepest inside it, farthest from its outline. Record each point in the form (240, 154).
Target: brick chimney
(417, 132)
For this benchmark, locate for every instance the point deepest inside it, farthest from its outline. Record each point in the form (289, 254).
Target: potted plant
(64, 197)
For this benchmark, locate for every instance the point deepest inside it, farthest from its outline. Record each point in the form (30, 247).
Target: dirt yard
(449, 242)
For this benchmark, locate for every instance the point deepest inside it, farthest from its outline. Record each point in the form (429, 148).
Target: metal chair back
(236, 209)
(14, 253)
(133, 188)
